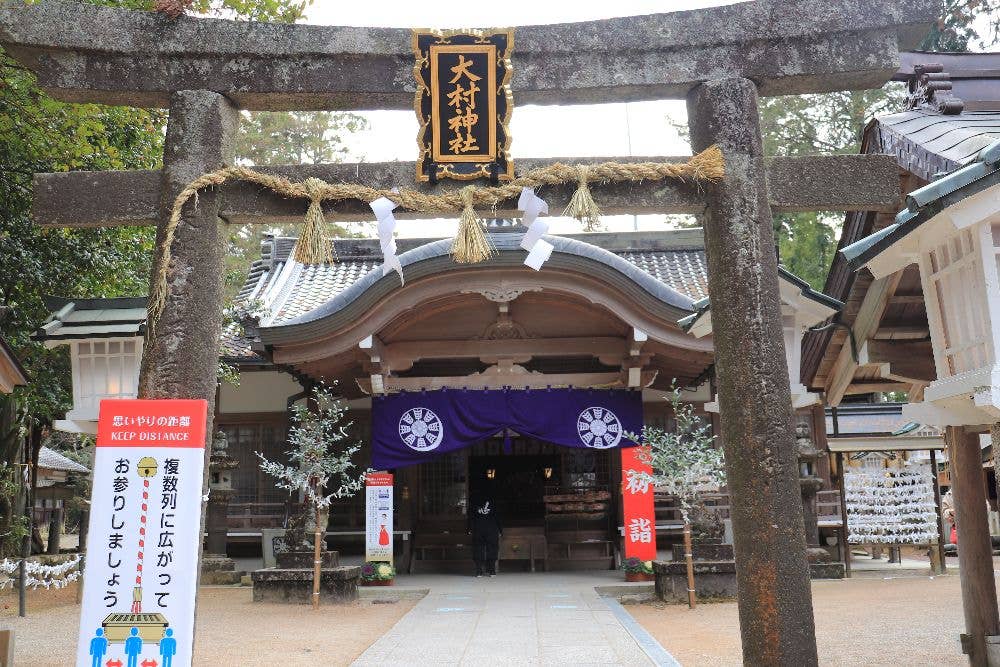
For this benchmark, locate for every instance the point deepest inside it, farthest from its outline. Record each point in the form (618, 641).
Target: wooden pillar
(775, 598)
(975, 552)
(6, 648)
(181, 355)
(845, 545)
(942, 566)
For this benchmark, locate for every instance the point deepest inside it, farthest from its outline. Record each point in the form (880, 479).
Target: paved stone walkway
(512, 619)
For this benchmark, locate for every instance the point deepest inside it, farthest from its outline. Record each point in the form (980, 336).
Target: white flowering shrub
(320, 454)
(685, 461)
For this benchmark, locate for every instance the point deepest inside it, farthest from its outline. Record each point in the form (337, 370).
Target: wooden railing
(260, 515)
(826, 506)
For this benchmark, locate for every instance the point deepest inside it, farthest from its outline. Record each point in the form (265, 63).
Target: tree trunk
(689, 559)
(317, 554)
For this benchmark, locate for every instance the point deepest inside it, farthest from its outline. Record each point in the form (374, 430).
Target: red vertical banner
(637, 506)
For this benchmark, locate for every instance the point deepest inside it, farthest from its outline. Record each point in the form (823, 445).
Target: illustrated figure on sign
(383, 534)
(484, 524)
(168, 648)
(133, 647)
(98, 647)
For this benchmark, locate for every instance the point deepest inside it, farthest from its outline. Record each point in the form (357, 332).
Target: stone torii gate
(204, 71)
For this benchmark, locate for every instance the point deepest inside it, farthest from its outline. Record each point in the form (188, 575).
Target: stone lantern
(216, 567)
(951, 231)
(220, 487)
(809, 481)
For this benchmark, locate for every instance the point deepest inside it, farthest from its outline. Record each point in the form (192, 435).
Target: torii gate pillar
(181, 357)
(775, 599)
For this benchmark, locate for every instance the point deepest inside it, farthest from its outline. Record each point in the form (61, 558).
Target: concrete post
(975, 552)
(181, 355)
(775, 600)
(55, 531)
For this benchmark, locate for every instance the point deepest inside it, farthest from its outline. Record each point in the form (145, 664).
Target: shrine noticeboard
(140, 577)
(637, 507)
(378, 516)
(463, 102)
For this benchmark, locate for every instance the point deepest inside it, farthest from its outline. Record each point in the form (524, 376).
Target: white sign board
(378, 513)
(141, 568)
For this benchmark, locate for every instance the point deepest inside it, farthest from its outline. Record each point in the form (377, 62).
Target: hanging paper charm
(539, 250)
(383, 207)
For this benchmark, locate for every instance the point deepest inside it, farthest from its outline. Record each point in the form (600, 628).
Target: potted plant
(638, 570)
(375, 573)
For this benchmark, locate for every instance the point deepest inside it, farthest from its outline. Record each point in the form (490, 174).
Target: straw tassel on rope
(582, 205)
(313, 247)
(471, 244)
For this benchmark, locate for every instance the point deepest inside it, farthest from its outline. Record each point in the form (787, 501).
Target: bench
(436, 551)
(525, 543)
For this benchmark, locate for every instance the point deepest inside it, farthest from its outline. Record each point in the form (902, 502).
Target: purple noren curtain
(413, 427)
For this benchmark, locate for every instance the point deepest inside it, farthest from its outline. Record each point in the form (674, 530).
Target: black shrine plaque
(463, 102)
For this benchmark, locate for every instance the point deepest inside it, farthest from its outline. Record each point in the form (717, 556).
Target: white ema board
(140, 576)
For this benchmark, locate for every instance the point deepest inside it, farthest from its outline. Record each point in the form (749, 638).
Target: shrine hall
(605, 320)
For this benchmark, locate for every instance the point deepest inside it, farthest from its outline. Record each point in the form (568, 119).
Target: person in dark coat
(486, 529)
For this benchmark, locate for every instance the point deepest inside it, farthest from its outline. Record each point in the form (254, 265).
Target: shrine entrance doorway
(556, 504)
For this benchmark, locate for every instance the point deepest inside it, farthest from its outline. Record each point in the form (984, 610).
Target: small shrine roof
(953, 115)
(12, 373)
(92, 318)
(827, 306)
(49, 459)
(926, 202)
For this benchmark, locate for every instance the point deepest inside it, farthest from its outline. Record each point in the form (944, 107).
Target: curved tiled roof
(671, 264)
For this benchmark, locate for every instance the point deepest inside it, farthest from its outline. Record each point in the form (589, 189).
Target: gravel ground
(250, 634)
(903, 621)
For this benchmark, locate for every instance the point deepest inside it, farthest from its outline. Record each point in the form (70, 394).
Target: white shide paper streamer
(382, 208)
(539, 250)
(40, 575)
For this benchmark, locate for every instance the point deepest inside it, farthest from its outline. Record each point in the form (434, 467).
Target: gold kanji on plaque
(463, 102)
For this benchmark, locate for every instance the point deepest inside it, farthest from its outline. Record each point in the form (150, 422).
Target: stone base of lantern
(219, 571)
(337, 585)
(821, 565)
(827, 570)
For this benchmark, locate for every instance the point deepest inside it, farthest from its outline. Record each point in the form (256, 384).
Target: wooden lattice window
(954, 273)
(443, 487)
(250, 483)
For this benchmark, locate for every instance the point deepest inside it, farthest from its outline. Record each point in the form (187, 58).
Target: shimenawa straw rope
(471, 244)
